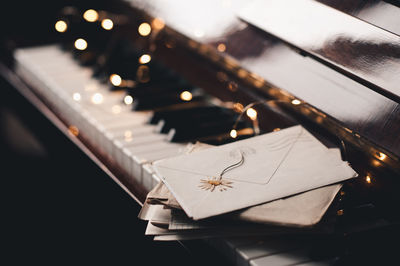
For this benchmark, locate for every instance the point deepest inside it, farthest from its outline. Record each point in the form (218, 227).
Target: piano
(131, 82)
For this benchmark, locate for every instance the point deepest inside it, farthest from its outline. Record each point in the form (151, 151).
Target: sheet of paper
(160, 193)
(276, 165)
(148, 211)
(302, 210)
(169, 235)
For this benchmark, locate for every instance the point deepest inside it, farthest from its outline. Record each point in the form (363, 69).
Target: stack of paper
(279, 182)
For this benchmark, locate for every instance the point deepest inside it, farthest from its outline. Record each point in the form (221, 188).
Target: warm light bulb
(91, 15)
(221, 47)
(158, 24)
(97, 98)
(115, 79)
(144, 29)
(251, 113)
(80, 44)
(73, 130)
(186, 96)
(76, 96)
(381, 156)
(296, 102)
(144, 59)
(61, 26)
(107, 24)
(128, 99)
(368, 179)
(233, 133)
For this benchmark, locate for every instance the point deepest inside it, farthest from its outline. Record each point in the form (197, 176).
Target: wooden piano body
(336, 72)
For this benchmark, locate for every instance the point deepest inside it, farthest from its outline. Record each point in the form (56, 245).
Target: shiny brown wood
(383, 14)
(364, 52)
(341, 103)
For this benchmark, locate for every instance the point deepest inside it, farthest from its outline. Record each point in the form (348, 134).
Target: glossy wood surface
(356, 107)
(383, 14)
(361, 50)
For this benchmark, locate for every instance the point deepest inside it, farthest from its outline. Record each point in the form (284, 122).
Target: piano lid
(365, 52)
(355, 111)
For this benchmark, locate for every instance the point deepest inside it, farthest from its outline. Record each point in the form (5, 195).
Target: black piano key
(186, 133)
(225, 138)
(193, 119)
(170, 114)
(152, 80)
(164, 100)
(169, 84)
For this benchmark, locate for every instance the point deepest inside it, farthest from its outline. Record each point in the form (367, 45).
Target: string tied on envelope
(232, 166)
(223, 184)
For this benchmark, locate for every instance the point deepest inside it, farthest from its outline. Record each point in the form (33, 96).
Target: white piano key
(282, 259)
(127, 164)
(120, 144)
(262, 248)
(40, 53)
(155, 180)
(109, 135)
(148, 176)
(229, 245)
(147, 153)
(140, 159)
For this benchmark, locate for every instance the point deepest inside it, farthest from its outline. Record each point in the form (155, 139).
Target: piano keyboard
(91, 108)
(132, 138)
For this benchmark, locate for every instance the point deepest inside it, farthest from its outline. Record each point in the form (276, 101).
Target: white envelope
(276, 165)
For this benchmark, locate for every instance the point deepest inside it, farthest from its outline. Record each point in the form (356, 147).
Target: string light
(381, 156)
(158, 24)
(251, 113)
(296, 102)
(221, 47)
(144, 59)
(115, 79)
(76, 96)
(233, 133)
(73, 130)
(91, 15)
(80, 44)
(107, 24)
(238, 107)
(97, 98)
(144, 29)
(128, 99)
(61, 26)
(368, 179)
(186, 96)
